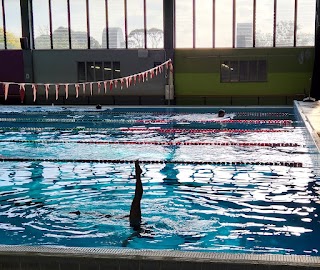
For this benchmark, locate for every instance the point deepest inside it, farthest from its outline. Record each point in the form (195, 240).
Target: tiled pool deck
(311, 115)
(58, 258)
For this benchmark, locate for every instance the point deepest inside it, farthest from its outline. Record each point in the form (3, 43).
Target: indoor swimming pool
(244, 183)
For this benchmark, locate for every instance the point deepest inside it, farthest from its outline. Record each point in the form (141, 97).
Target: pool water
(209, 185)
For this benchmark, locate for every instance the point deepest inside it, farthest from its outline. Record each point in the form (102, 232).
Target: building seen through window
(94, 24)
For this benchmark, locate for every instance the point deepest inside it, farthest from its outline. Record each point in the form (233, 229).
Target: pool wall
(196, 76)
(46, 258)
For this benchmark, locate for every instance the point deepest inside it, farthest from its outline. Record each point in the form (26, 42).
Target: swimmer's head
(221, 113)
(98, 107)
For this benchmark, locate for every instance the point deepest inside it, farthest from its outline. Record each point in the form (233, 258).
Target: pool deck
(310, 112)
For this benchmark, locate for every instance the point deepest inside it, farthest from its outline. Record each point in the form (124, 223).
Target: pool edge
(20, 257)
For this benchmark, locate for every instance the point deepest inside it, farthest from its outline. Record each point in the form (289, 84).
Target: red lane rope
(285, 122)
(160, 143)
(110, 111)
(117, 161)
(177, 130)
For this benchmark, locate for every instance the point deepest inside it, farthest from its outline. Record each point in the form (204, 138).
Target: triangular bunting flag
(34, 88)
(22, 91)
(57, 91)
(121, 83)
(5, 90)
(171, 67)
(99, 87)
(77, 86)
(66, 89)
(46, 87)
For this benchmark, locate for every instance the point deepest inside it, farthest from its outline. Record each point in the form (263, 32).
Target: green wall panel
(197, 72)
(209, 84)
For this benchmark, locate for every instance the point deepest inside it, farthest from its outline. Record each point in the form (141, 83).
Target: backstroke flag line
(106, 84)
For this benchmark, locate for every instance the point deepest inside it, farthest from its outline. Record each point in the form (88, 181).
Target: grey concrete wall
(60, 66)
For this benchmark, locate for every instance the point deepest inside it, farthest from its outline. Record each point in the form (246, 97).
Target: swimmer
(221, 113)
(98, 107)
(135, 210)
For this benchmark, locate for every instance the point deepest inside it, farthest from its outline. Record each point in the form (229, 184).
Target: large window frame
(122, 37)
(303, 26)
(232, 19)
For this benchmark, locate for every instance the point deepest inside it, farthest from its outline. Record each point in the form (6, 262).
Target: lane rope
(159, 121)
(117, 161)
(213, 130)
(240, 121)
(157, 143)
(110, 111)
(141, 129)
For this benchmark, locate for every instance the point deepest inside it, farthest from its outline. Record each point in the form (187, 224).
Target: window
(243, 71)
(78, 24)
(135, 17)
(97, 22)
(13, 23)
(244, 23)
(184, 24)
(116, 70)
(224, 23)
(116, 30)
(204, 23)
(81, 71)
(41, 24)
(98, 71)
(60, 33)
(154, 23)
(306, 22)
(107, 70)
(264, 23)
(1, 29)
(285, 23)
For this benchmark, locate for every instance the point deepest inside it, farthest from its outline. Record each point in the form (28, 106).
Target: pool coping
(309, 114)
(160, 255)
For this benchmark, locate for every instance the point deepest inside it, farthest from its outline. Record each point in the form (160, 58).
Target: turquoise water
(186, 205)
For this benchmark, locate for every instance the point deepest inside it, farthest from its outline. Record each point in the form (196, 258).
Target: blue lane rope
(117, 161)
(163, 143)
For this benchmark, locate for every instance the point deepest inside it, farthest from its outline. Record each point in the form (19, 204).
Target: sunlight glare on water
(263, 207)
